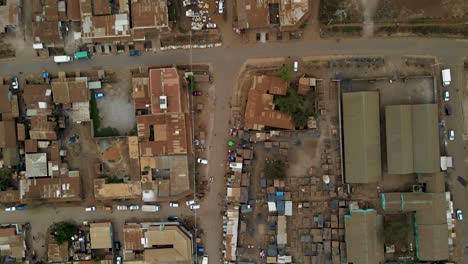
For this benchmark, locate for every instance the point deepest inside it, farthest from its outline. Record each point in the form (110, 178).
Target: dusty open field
(357, 11)
(116, 109)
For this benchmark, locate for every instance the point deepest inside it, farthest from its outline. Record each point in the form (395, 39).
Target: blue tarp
(280, 207)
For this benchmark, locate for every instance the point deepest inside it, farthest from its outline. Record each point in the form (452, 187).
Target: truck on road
(82, 55)
(62, 59)
(150, 208)
(446, 77)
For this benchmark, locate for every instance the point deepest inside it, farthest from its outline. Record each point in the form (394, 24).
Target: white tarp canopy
(288, 208)
(445, 162)
(271, 207)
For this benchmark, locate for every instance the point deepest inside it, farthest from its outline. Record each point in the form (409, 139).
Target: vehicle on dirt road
(172, 218)
(195, 206)
(134, 207)
(90, 209)
(448, 110)
(174, 204)
(21, 207)
(98, 95)
(135, 53)
(202, 161)
(150, 208)
(197, 93)
(122, 207)
(190, 202)
(14, 83)
(446, 77)
(10, 209)
(446, 96)
(459, 215)
(451, 134)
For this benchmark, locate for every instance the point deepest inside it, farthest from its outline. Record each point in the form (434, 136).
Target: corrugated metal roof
(364, 242)
(426, 138)
(399, 135)
(361, 125)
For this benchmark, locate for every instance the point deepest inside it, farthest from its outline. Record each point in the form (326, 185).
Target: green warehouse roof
(361, 137)
(426, 138)
(364, 242)
(399, 135)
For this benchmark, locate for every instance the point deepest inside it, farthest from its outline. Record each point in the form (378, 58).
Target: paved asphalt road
(227, 61)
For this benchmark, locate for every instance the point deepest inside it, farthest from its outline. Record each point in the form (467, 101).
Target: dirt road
(226, 65)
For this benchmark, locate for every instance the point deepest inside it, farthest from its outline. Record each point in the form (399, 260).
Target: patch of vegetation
(275, 169)
(286, 72)
(113, 179)
(107, 132)
(303, 25)
(335, 11)
(396, 231)
(6, 182)
(345, 29)
(295, 106)
(98, 131)
(63, 232)
(133, 131)
(191, 83)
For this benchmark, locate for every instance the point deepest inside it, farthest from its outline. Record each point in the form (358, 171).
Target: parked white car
(134, 207)
(90, 209)
(10, 209)
(459, 215)
(451, 134)
(122, 207)
(296, 66)
(195, 206)
(446, 96)
(174, 204)
(202, 161)
(190, 202)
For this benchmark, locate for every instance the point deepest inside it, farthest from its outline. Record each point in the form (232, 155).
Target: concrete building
(157, 243)
(101, 235)
(9, 14)
(12, 244)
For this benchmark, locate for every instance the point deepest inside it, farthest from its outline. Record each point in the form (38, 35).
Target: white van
(446, 77)
(62, 59)
(205, 259)
(150, 208)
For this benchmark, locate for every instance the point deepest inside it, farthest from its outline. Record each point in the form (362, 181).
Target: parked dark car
(135, 53)
(21, 207)
(172, 218)
(462, 181)
(448, 110)
(197, 93)
(117, 245)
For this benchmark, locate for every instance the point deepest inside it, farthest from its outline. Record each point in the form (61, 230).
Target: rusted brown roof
(30, 146)
(149, 14)
(7, 134)
(70, 92)
(46, 32)
(101, 7)
(73, 10)
(165, 82)
(9, 13)
(106, 27)
(51, 10)
(9, 196)
(162, 134)
(42, 128)
(140, 91)
(51, 189)
(252, 14)
(21, 132)
(132, 237)
(260, 111)
(86, 8)
(37, 6)
(33, 94)
(5, 99)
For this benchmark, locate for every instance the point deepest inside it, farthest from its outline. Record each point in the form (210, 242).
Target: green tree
(63, 232)
(113, 179)
(286, 72)
(275, 169)
(6, 181)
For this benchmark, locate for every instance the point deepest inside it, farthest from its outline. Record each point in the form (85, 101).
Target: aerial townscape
(234, 131)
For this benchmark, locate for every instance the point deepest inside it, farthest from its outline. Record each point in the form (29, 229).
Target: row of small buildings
(30, 139)
(100, 21)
